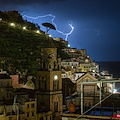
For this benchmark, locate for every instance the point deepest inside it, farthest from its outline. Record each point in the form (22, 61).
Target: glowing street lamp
(49, 35)
(12, 24)
(37, 31)
(24, 28)
(68, 45)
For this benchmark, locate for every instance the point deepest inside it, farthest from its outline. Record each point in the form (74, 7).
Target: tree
(49, 26)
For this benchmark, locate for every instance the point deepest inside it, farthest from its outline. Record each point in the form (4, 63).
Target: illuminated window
(55, 77)
(55, 82)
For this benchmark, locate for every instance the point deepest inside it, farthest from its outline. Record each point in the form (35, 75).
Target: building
(86, 77)
(15, 79)
(69, 63)
(18, 111)
(5, 86)
(89, 66)
(30, 83)
(48, 83)
(62, 41)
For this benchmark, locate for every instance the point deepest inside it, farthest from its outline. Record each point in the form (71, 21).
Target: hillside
(19, 48)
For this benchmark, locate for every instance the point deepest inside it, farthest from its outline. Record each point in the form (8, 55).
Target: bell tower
(48, 83)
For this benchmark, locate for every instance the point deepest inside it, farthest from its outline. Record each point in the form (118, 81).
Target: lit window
(55, 77)
(55, 82)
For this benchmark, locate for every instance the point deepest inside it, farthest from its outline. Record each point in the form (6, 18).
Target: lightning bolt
(52, 20)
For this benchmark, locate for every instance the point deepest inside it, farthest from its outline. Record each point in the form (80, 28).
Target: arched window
(42, 82)
(43, 64)
(49, 66)
(86, 80)
(55, 82)
(54, 65)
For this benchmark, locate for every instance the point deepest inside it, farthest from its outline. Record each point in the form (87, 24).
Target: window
(1, 84)
(32, 105)
(7, 83)
(27, 114)
(10, 118)
(19, 118)
(54, 64)
(55, 82)
(42, 82)
(32, 113)
(55, 106)
(41, 118)
(27, 105)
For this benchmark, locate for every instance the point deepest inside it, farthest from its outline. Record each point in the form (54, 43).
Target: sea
(112, 67)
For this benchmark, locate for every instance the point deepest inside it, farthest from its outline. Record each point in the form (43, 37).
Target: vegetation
(19, 48)
(49, 26)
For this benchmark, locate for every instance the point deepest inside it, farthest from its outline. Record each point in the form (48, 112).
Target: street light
(12, 24)
(24, 28)
(37, 31)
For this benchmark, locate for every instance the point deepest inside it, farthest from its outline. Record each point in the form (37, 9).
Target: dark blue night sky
(96, 23)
